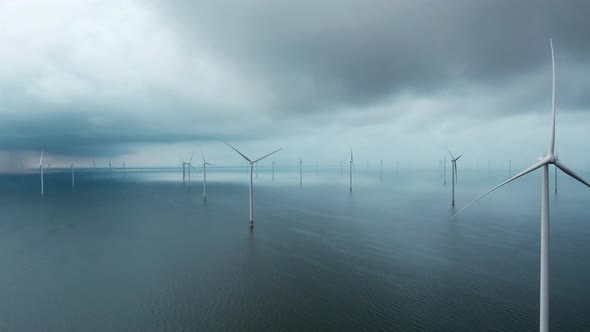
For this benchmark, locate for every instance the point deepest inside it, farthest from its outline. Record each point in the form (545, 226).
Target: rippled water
(147, 254)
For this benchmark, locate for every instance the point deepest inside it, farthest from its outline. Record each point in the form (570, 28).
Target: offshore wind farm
(326, 196)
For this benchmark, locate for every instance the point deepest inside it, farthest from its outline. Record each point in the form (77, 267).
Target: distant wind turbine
(252, 162)
(300, 171)
(190, 164)
(205, 163)
(453, 176)
(350, 170)
(544, 162)
(41, 171)
(72, 168)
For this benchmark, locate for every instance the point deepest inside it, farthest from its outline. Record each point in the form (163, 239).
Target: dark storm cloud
(77, 134)
(323, 55)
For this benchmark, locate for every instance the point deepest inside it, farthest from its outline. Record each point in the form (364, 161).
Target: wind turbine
(205, 163)
(543, 163)
(72, 168)
(453, 176)
(190, 164)
(350, 169)
(183, 171)
(41, 170)
(251, 170)
(300, 171)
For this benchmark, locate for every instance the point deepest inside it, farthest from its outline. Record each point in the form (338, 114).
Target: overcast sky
(150, 82)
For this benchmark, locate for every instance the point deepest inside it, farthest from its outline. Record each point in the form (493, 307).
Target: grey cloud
(324, 55)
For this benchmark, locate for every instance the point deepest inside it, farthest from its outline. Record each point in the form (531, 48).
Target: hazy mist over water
(146, 254)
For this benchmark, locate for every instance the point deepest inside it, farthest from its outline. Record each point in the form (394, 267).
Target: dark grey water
(148, 255)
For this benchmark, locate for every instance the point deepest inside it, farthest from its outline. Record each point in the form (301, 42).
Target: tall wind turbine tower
(350, 167)
(205, 163)
(300, 171)
(72, 168)
(549, 159)
(41, 171)
(453, 176)
(252, 162)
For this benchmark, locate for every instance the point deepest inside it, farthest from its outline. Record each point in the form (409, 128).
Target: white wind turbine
(300, 171)
(543, 163)
(453, 176)
(350, 170)
(72, 168)
(252, 162)
(183, 164)
(41, 170)
(205, 163)
(190, 164)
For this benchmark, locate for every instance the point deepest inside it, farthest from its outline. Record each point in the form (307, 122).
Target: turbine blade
(202, 155)
(241, 154)
(458, 157)
(571, 173)
(259, 159)
(41, 160)
(526, 171)
(191, 160)
(552, 142)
